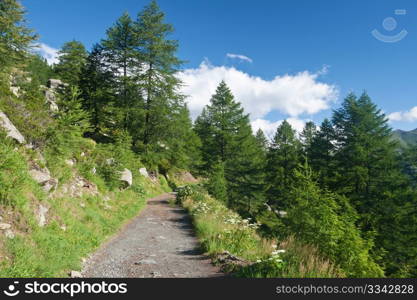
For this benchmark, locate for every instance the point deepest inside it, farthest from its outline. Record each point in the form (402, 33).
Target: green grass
(220, 229)
(52, 251)
(75, 227)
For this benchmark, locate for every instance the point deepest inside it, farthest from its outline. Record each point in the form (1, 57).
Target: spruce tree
(327, 220)
(98, 92)
(307, 135)
(262, 140)
(226, 137)
(72, 57)
(283, 158)
(365, 154)
(321, 152)
(217, 185)
(370, 175)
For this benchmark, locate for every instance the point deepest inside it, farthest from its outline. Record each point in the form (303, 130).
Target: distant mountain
(406, 138)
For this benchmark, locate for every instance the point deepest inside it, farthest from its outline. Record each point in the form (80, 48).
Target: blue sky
(325, 48)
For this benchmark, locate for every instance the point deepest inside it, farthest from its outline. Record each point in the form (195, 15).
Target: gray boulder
(126, 176)
(43, 177)
(11, 131)
(41, 215)
(144, 172)
(55, 84)
(15, 90)
(50, 99)
(5, 226)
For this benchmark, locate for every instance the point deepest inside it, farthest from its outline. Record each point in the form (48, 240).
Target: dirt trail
(160, 242)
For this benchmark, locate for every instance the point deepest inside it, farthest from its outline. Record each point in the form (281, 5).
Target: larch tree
(15, 37)
(122, 57)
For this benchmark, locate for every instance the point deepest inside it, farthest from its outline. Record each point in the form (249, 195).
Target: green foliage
(97, 86)
(28, 112)
(38, 69)
(283, 158)
(320, 153)
(72, 122)
(13, 172)
(217, 185)
(72, 57)
(15, 37)
(307, 135)
(293, 260)
(326, 220)
(52, 252)
(227, 138)
(220, 229)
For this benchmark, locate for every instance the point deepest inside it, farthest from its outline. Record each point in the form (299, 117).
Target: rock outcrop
(78, 187)
(50, 93)
(50, 99)
(43, 177)
(10, 129)
(144, 172)
(41, 215)
(126, 177)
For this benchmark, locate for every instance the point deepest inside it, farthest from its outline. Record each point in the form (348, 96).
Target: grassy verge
(75, 226)
(219, 229)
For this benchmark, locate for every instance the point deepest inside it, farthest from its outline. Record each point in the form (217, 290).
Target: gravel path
(160, 242)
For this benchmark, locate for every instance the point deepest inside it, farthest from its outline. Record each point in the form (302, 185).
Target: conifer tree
(307, 135)
(15, 37)
(262, 140)
(217, 185)
(98, 92)
(158, 81)
(39, 69)
(321, 153)
(72, 57)
(369, 174)
(365, 153)
(226, 137)
(327, 221)
(121, 55)
(283, 158)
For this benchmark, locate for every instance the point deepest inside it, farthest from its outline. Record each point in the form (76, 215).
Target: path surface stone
(160, 242)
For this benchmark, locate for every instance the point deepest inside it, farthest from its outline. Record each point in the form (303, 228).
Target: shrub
(13, 172)
(316, 218)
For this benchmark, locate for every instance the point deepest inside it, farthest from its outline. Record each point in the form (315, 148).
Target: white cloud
(269, 128)
(292, 95)
(239, 56)
(50, 54)
(406, 116)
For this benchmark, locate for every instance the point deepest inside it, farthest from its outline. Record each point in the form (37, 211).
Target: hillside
(406, 138)
(86, 140)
